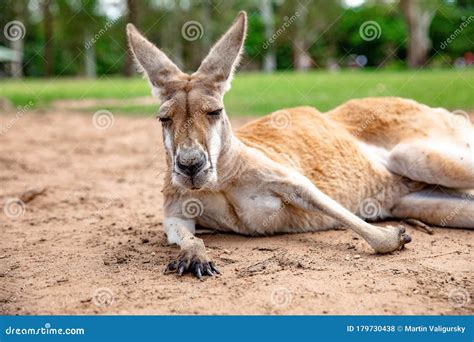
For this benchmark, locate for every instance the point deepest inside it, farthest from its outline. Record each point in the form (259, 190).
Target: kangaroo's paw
(389, 239)
(193, 259)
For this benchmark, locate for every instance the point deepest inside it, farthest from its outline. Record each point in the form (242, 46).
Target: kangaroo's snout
(190, 161)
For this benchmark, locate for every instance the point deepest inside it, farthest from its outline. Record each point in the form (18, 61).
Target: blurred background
(316, 52)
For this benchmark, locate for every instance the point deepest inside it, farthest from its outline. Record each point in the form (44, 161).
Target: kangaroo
(299, 170)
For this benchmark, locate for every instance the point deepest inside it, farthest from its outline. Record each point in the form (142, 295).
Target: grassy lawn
(258, 94)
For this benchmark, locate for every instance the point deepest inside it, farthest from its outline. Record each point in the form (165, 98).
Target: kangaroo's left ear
(219, 65)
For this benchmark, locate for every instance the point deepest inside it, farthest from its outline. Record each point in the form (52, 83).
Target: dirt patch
(93, 241)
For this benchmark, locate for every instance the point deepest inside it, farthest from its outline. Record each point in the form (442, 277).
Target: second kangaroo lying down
(299, 170)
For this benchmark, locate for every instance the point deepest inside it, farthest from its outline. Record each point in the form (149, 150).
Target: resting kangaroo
(298, 170)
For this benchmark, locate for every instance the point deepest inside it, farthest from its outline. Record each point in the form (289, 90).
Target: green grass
(143, 110)
(258, 94)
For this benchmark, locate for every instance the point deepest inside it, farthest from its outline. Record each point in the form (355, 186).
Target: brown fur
(322, 150)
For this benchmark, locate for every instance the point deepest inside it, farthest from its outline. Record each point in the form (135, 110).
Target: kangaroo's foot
(386, 239)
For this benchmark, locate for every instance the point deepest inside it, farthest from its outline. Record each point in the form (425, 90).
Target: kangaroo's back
(388, 121)
(317, 146)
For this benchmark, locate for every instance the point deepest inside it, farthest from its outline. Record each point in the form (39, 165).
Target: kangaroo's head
(195, 126)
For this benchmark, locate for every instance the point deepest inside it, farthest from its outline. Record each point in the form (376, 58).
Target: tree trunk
(269, 59)
(48, 36)
(177, 43)
(301, 58)
(90, 60)
(17, 45)
(128, 67)
(16, 68)
(206, 18)
(418, 21)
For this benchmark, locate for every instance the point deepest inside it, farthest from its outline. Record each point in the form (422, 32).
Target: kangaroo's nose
(190, 162)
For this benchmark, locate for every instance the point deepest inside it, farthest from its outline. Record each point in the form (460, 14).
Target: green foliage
(452, 21)
(329, 30)
(391, 43)
(255, 38)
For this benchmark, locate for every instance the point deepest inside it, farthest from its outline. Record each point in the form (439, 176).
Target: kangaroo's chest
(247, 209)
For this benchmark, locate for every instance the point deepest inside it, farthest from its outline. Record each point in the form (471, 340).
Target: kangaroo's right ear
(158, 68)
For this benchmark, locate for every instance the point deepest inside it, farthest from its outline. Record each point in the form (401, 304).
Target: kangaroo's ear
(219, 65)
(157, 67)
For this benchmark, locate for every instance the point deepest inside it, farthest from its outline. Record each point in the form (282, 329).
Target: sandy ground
(93, 242)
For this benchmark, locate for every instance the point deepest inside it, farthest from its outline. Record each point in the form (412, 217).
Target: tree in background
(313, 19)
(48, 37)
(418, 16)
(14, 35)
(269, 58)
(85, 38)
(132, 17)
(387, 48)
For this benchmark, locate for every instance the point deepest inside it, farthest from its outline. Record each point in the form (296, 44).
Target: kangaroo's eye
(215, 112)
(164, 119)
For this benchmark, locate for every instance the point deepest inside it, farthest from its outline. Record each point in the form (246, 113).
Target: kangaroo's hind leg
(438, 206)
(447, 163)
